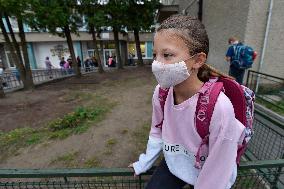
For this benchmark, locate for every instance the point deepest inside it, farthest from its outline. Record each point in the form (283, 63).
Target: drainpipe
(200, 10)
(184, 11)
(264, 43)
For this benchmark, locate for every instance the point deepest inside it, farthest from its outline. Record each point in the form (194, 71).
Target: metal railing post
(276, 179)
(140, 182)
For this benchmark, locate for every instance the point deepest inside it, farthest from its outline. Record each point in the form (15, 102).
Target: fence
(267, 143)
(269, 89)
(268, 139)
(250, 176)
(11, 79)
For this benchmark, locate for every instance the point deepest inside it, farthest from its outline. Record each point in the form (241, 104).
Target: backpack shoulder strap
(204, 110)
(163, 93)
(205, 106)
(238, 49)
(235, 93)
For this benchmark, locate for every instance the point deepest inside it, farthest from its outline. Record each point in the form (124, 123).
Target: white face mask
(169, 75)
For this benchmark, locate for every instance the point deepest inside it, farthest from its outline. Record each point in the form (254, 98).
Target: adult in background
(48, 66)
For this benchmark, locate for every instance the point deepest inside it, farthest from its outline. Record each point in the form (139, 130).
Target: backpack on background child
(242, 99)
(243, 56)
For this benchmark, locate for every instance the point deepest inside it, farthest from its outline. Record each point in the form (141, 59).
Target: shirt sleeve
(157, 115)
(154, 146)
(225, 132)
(147, 159)
(230, 52)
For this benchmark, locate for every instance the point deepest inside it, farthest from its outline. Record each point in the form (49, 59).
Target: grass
(68, 160)
(92, 162)
(140, 137)
(111, 142)
(279, 109)
(75, 122)
(109, 146)
(124, 131)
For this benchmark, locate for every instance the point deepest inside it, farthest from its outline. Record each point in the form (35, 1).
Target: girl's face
(169, 48)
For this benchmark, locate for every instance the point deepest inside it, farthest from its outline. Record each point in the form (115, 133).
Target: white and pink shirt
(180, 141)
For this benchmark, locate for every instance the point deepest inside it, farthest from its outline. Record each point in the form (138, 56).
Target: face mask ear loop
(190, 71)
(190, 57)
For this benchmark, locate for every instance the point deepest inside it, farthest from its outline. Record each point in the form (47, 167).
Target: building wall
(189, 7)
(274, 53)
(31, 55)
(255, 30)
(41, 50)
(221, 22)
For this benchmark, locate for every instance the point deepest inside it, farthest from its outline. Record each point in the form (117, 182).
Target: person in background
(69, 60)
(130, 59)
(48, 66)
(79, 62)
(62, 62)
(240, 57)
(87, 64)
(110, 61)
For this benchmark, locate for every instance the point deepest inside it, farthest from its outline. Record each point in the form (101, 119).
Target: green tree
(16, 9)
(140, 16)
(116, 11)
(59, 17)
(95, 17)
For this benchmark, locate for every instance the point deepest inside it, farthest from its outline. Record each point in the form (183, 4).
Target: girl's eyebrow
(166, 49)
(163, 50)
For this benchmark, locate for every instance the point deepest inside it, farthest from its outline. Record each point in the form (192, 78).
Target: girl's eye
(166, 55)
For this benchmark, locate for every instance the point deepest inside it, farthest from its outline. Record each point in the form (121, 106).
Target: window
(91, 52)
(132, 49)
(10, 59)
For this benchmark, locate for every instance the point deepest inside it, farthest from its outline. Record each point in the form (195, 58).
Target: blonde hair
(232, 39)
(193, 33)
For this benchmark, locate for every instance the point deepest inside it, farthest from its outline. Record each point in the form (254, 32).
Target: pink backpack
(240, 96)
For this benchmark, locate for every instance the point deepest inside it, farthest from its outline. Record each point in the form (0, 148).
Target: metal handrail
(256, 173)
(91, 172)
(252, 71)
(268, 89)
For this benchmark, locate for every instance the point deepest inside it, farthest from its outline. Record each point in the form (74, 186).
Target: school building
(258, 23)
(43, 44)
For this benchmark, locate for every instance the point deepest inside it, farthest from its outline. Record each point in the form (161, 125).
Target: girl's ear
(200, 59)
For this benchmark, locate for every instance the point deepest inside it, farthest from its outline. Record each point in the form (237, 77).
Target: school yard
(99, 120)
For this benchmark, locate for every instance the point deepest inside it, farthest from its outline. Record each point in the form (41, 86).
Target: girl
(181, 47)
